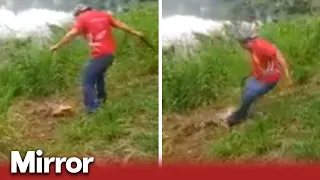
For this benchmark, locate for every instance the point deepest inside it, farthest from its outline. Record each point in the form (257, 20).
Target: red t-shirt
(96, 27)
(266, 54)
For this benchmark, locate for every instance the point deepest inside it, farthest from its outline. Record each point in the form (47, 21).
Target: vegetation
(125, 127)
(264, 10)
(113, 5)
(288, 127)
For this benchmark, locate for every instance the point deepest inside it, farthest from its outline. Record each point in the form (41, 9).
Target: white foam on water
(31, 22)
(180, 29)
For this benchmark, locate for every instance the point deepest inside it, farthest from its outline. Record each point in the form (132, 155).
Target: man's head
(80, 8)
(244, 33)
(245, 44)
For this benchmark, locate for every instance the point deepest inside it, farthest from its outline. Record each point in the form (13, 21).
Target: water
(31, 22)
(179, 29)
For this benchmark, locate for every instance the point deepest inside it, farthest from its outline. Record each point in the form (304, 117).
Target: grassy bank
(127, 125)
(288, 130)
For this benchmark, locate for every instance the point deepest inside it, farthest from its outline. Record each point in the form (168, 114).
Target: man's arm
(284, 65)
(257, 62)
(124, 27)
(66, 39)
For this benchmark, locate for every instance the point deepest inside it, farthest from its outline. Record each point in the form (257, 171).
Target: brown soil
(186, 139)
(37, 119)
(187, 136)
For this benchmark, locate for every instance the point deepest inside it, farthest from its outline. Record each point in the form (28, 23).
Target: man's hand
(287, 85)
(54, 48)
(289, 81)
(66, 39)
(139, 34)
(285, 68)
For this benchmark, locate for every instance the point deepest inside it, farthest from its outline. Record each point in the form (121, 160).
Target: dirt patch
(37, 119)
(187, 136)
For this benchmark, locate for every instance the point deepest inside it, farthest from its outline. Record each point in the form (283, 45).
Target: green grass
(127, 124)
(289, 130)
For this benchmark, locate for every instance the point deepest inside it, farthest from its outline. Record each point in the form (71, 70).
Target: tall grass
(202, 77)
(218, 67)
(289, 128)
(129, 120)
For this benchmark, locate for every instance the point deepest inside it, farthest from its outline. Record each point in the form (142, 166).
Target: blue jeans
(94, 83)
(253, 90)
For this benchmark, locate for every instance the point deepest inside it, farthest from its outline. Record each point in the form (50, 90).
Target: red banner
(184, 172)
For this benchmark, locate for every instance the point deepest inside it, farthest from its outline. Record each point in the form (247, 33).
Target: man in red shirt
(96, 27)
(266, 65)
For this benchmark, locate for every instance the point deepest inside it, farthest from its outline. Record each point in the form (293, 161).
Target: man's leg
(89, 80)
(254, 90)
(248, 97)
(101, 95)
(106, 62)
